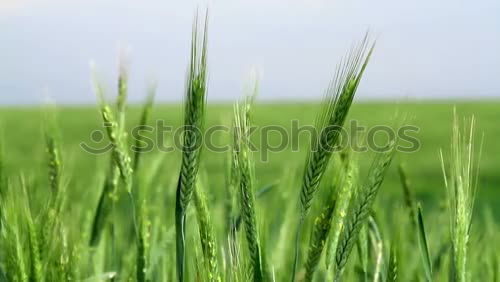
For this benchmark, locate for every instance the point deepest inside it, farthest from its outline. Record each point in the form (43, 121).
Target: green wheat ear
(121, 99)
(121, 167)
(119, 153)
(115, 133)
(329, 122)
(207, 236)
(121, 160)
(116, 130)
(461, 184)
(245, 166)
(35, 261)
(54, 163)
(53, 154)
(361, 207)
(320, 232)
(344, 195)
(194, 114)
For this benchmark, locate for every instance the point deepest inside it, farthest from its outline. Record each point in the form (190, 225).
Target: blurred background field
(84, 172)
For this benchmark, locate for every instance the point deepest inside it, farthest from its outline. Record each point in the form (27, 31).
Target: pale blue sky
(426, 48)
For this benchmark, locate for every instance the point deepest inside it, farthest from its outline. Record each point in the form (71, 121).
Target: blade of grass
(422, 243)
(104, 207)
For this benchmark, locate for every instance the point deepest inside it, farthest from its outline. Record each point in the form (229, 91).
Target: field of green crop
(82, 173)
(194, 214)
(423, 166)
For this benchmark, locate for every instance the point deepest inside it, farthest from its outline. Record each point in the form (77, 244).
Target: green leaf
(422, 242)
